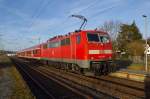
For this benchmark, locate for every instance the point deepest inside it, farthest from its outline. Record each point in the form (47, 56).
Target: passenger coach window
(78, 39)
(35, 51)
(93, 37)
(54, 44)
(45, 46)
(67, 41)
(63, 42)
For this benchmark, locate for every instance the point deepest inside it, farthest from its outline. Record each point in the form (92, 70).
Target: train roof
(31, 48)
(60, 37)
(71, 33)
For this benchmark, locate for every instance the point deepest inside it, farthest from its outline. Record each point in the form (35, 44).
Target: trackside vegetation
(16, 85)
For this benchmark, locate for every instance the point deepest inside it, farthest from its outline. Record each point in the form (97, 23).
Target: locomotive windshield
(93, 37)
(97, 38)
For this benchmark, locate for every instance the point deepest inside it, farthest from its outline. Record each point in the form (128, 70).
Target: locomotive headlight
(108, 51)
(92, 58)
(85, 57)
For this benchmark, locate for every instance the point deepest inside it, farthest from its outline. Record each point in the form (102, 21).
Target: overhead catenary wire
(39, 12)
(91, 17)
(86, 8)
(62, 24)
(43, 5)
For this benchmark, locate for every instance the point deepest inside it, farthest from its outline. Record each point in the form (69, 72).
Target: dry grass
(138, 67)
(2, 59)
(135, 67)
(19, 90)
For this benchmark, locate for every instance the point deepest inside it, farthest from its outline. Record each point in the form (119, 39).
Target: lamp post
(145, 18)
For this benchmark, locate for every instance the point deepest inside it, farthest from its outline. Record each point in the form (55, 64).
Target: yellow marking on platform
(130, 76)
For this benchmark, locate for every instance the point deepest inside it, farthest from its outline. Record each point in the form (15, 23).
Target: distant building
(12, 54)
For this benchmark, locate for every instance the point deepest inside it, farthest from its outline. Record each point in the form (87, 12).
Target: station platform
(131, 75)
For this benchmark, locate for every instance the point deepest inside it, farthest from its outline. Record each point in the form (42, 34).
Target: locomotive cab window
(93, 37)
(104, 38)
(65, 42)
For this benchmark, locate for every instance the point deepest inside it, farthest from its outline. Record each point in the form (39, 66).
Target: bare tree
(112, 27)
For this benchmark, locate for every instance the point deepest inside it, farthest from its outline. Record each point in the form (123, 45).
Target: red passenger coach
(33, 52)
(83, 50)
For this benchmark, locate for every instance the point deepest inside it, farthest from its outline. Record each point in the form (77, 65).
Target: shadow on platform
(122, 64)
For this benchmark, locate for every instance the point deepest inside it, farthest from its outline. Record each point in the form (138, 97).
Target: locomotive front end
(99, 47)
(99, 52)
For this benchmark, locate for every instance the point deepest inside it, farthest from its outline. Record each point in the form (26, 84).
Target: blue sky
(22, 22)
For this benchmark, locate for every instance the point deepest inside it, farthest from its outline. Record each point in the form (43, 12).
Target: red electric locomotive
(82, 50)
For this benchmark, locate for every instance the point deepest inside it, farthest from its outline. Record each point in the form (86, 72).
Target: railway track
(112, 86)
(77, 93)
(27, 74)
(101, 86)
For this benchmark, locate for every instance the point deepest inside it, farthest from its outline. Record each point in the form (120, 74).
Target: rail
(107, 85)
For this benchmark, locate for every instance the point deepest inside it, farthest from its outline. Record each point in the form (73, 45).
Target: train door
(77, 51)
(65, 49)
(73, 48)
(76, 47)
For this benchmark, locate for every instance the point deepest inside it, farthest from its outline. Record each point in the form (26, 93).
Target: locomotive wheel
(82, 70)
(106, 68)
(101, 69)
(110, 68)
(76, 68)
(65, 66)
(97, 70)
(70, 66)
